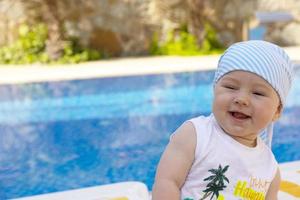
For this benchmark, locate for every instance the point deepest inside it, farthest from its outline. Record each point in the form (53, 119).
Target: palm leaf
(225, 169)
(210, 178)
(213, 171)
(226, 179)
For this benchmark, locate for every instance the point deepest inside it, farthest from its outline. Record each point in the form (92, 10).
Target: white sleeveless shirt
(249, 173)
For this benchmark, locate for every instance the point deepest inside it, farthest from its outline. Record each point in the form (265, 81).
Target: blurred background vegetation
(73, 31)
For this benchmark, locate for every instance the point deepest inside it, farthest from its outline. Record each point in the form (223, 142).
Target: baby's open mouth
(239, 115)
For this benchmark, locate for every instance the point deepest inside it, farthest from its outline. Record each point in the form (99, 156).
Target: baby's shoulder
(186, 130)
(202, 122)
(191, 132)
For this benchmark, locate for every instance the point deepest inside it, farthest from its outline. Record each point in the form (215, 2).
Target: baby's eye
(231, 87)
(259, 93)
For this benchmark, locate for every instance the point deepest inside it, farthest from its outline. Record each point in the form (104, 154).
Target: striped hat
(264, 59)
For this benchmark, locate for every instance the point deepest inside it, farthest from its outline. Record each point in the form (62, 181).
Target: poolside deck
(290, 187)
(116, 67)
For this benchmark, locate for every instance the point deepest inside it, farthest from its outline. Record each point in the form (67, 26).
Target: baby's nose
(242, 99)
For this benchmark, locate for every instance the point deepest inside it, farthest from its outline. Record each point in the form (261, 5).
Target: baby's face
(244, 104)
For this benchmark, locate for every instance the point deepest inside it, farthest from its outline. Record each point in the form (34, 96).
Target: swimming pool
(63, 135)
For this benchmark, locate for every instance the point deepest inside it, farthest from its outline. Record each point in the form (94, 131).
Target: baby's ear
(278, 112)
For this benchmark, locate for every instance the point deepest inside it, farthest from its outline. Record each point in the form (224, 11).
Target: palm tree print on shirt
(217, 182)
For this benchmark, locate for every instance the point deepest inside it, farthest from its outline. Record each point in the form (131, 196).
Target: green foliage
(211, 44)
(30, 47)
(185, 44)
(74, 53)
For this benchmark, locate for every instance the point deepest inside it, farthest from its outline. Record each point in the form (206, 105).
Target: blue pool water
(64, 135)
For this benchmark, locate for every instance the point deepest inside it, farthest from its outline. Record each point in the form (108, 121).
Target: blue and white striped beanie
(265, 59)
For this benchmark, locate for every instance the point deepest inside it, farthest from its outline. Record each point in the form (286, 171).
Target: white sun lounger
(116, 191)
(290, 174)
(290, 177)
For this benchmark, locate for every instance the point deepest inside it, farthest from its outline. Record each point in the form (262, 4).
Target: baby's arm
(274, 187)
(175, 164)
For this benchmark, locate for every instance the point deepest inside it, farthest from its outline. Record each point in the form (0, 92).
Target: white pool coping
(114, 67)
(106, 68)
